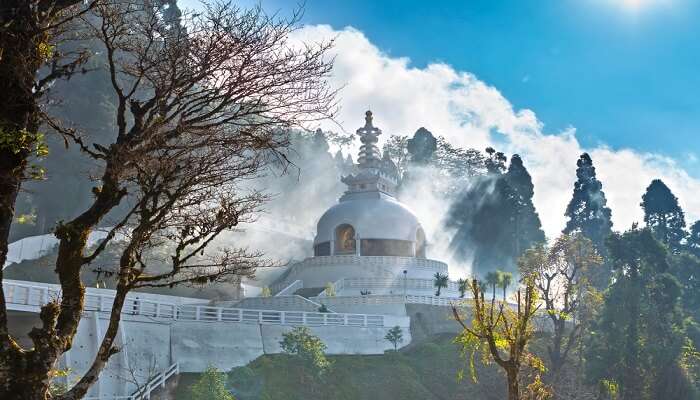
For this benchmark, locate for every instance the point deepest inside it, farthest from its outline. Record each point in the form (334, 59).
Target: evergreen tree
(587, 211)
(495, 218)
(526, 227)
(663, 215)
(693, 240)
(637, 341)
(422, 146)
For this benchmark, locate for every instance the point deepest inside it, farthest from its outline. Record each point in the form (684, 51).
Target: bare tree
(562, 274)
(203, 105)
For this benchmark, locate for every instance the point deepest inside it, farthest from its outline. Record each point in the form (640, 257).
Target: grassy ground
(427, 371)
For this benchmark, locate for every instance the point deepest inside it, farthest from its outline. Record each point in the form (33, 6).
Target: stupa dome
(369, 220)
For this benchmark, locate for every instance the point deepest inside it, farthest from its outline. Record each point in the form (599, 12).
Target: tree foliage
(211, 386)
(638, 339)
(308, 349)
(501, 333)
(394, 336)
(562, 274)
(663, 215)
(440, 281)
(587, 211)
(198, 112)
(494, 217)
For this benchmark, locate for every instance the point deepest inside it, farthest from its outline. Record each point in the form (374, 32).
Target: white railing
(390, 299)
(293, 302)
(144, 393)
(381, 266)
(289, 290)
(218, 314)
(36, 296)
(393, 283)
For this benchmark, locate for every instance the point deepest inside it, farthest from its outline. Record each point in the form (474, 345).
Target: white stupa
(369, 234)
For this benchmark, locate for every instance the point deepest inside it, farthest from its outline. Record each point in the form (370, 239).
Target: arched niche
(345, 242)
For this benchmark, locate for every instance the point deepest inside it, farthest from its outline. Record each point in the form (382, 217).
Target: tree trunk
(513, 387)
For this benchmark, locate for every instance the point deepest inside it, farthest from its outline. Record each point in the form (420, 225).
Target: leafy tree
(663, 215)
(211, 386)
(494, 218)
(501, 334)
(308, 349)
(493, 279)
(462, 286)
(440, 281)
(693, 239)
(396, 147)
(395, 336)
(638, 339)
(685, 267)
(505, 282)
(587, 211)
(181, 150)
(421, 146)
(562, 274)
(30, 65)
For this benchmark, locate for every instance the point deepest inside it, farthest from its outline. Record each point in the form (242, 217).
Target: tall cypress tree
(495, 218)
(526, 228)
(663, 215)
(587, 211)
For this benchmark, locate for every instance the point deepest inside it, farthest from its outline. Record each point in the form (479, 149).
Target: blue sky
(625, 73)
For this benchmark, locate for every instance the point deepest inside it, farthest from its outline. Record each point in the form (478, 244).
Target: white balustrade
(33, 295)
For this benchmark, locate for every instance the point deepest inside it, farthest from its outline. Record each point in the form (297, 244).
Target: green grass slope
(426, 371)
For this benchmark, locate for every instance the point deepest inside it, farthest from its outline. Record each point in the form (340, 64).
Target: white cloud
(468, 111)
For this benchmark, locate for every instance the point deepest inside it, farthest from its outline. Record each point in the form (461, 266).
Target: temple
(368, 234)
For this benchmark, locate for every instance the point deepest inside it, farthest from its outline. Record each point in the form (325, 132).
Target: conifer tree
(663, 215)
(495, 218)
(526, 227)
(693, 240)
(638, 339)
(587, 211)
(422, 146)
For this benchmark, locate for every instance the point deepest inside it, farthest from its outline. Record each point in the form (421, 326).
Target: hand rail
(36, 296)
(144, 392)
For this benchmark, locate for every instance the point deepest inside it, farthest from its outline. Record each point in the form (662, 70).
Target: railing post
(218, 314)
(325, 319)
(283, 319)
(260, 317)
(157, 310)
(303, 318)
(196, 313)
(345, 319)
(364, 320)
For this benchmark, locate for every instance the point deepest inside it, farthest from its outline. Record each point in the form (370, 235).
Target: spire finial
(368, 119)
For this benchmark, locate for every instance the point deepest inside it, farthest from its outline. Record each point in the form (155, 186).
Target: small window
(345, 242)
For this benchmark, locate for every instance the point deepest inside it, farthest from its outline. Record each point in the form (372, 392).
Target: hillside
(427, 371)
